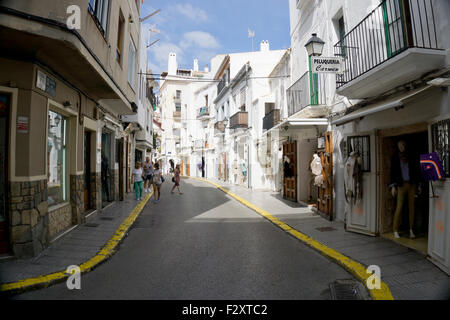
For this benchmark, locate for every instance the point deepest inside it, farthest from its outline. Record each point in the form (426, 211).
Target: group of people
(143, 176)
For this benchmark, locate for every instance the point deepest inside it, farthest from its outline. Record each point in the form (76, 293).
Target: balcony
(307, 97)
(271, 119)
(219, 128)
(395, 44)
(239, 120)
(203, 112)
(221, 85)
(177, 116)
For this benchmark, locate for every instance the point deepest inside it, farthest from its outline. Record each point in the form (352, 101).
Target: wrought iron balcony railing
(271, 119)
(309, 90)
(239, 120)
(202, 112)
(390, 29)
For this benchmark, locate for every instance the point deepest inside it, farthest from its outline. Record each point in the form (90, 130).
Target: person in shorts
(157, 182)
(148, 174)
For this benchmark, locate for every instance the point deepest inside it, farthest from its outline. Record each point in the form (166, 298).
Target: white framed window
(57, 158)
(131, 63)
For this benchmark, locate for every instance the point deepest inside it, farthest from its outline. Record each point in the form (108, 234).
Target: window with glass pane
(131, 63)
(440, 134)
(57, 158)
(360, 145)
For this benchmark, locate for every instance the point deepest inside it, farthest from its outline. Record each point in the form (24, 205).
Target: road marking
(105, 253)
(354, 267)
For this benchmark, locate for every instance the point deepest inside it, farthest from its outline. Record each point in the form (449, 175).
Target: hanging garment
(316, 165)
(319, 181)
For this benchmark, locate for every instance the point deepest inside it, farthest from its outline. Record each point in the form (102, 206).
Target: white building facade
(394, 87)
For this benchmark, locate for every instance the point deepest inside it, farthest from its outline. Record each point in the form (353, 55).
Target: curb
(108, 250)
(355, 268)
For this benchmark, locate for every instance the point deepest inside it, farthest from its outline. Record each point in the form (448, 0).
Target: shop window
(360, 145)
(440, 134)
(57, 158)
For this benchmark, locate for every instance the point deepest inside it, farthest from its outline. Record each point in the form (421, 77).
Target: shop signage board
(22, 124)
(327, 65)
(45, 83)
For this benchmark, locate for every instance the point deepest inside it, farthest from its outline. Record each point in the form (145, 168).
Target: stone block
(15, 189)
(43, 208)
(26, 217)
(16, 199)
(21, 234)
(34, 216)
(15, 218)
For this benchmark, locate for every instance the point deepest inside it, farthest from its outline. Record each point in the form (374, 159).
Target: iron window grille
(440, 135)
(360, 145)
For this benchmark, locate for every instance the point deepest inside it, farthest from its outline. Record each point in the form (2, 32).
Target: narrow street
(204, 245)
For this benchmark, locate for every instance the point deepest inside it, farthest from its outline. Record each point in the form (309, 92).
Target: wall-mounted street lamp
(314, 46)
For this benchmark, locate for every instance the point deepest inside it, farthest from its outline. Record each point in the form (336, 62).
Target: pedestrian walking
(137, 178)
(157, 182)
(176, 179)
(148, 174)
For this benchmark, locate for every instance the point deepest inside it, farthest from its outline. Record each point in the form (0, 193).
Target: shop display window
(440, 133)
(360, 145)
(57, 158)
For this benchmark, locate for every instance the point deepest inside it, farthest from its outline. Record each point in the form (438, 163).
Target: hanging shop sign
(45, 83)
(327, 65)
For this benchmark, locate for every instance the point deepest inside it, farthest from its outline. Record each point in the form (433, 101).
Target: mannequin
(405, 175)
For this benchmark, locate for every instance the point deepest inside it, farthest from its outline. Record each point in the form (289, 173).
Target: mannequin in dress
(405, 175)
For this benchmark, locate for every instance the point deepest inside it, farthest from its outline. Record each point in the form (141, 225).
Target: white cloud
(199, 39)
(194, 14)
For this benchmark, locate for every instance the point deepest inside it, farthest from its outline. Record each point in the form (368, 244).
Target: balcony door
(394, 26)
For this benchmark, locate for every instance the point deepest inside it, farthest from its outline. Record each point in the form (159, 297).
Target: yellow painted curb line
(105, 253)
(355, 268)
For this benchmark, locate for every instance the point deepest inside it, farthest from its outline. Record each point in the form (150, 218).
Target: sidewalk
(73, 248)
(408, 273)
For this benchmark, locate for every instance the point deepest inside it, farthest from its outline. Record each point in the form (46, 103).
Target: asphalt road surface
(204, 245)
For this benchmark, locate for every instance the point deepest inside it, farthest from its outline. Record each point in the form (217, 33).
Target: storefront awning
(303, 123)
(394, 102)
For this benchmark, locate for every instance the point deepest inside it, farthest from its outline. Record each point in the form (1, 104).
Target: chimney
(195, 64)
(206, 68)
(173, 66)
(265, 46)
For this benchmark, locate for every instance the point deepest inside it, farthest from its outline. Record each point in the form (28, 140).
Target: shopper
(157, 182)
(176, 179)
(137, 178)
(148, 173)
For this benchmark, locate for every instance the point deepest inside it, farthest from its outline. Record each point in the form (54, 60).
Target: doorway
(87, 170)
(4, 127)
(106, 168)
(325, 191)
(290, 171)
(417, 144)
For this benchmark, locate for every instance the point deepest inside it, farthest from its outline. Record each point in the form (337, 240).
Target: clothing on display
(353, 179)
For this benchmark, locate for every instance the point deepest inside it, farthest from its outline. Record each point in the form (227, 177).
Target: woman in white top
(157, 182)
(138, 179)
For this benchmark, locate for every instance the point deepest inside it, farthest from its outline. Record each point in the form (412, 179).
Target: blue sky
(203, 28)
